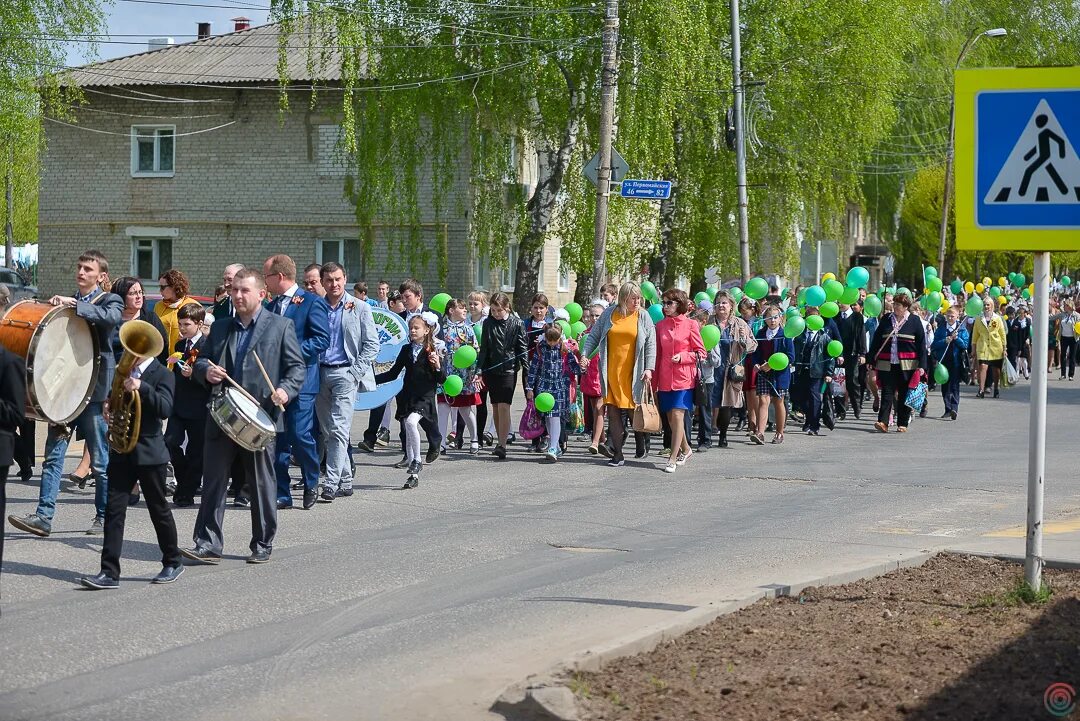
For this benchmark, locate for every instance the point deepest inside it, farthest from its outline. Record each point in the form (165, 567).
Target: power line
(128, 135)
(138, 115)
(248, 46)
(150, 97)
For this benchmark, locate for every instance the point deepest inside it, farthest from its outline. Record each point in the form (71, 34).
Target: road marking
(1049, 528)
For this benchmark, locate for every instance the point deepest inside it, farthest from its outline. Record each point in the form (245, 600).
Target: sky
(131, 24)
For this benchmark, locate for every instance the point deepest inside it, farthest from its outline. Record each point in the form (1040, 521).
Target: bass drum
(60, 350)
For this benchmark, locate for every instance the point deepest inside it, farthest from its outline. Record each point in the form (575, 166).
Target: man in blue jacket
(310, 315)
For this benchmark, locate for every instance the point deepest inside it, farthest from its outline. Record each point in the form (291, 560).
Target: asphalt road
(424, 604)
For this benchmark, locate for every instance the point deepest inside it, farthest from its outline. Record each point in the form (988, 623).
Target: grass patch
(1021, 594)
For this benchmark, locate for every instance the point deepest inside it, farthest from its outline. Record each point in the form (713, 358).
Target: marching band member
(309, 314)
(229, 351)
(345, 367)
(145, 464)
(102, 311)
(188, 417)
(12, 416)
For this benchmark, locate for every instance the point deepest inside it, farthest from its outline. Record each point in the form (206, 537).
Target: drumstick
(235, 385)
(266, 377)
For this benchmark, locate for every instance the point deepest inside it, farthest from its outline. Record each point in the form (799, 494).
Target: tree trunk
(583, 291)
(552, 162)
(662, 265)
(9, 219)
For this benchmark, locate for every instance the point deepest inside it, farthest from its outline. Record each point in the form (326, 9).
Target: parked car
(20, 290)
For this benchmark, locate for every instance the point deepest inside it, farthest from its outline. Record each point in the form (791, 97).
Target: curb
(544, 697)
(1053, 563)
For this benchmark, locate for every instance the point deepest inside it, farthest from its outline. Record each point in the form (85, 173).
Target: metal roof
(243, 57)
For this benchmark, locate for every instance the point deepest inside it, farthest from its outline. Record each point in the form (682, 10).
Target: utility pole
(9, 202)
(608, 78)
(740, 141)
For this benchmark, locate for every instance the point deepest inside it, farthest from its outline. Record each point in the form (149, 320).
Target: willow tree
(32, 48)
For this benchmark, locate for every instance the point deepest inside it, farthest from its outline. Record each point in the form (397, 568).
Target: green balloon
(929, 272)
(791, 312)
(835, 349)
(833, 289)
(829, 309)
(656, 312)
(710, 336)
(478, 330)
(1026, 294)
(956, 286)
(757, 288)
(452, 385)
(779, 361)
(648, 290)
(800, 297)
(577, 329)
(815, 295)
(1020, 280)
(464, 357)
(1066, 281)
(933, 301)
(575, 311)
(850, 295)
(438, 303)
(544, 402)
(858, 277)
(565, 327)
(903, 291)
(815, 322)
(974, 306)
(995, 291)
(941, 374)
(872, 306)
(711, 293)
(795, 326)
(737, 293)
(934, 284)
(700, 296)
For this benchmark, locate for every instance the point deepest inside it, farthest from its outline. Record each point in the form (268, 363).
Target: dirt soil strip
(951, 639)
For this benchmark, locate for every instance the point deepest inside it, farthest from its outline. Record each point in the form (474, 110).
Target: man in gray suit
(344, 367)
(230, 351)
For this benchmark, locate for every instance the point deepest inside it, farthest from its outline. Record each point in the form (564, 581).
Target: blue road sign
(1027, 172)
(647, 189)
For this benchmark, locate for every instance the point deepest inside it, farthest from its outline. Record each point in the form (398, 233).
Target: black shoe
(97, 528)
(616, 462)
(32, 523)
(996, 393)
(242, 502)
(722, 443)
(499, 452)
(181, 502)
(414, 468)
(26, 475)
(344, 492)
(200, 556)
(327, 495)
(297, 486)
(432, 455)
(489, 440)
(259, 557)
(641, 449)
(365, 447)
(876, 406)
(168, 574)
(99, 582)
(80, 481)
(980, 394)
(403, 463)
(922, 413)
(858, 413)
(605, 450)
(284, 505)
(953, 414)
(310, 496)
(133, 499)
(946, 414)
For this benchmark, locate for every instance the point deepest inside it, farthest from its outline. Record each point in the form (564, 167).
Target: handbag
(916, 397)
(646, 414)
(736, 373)
(531, 425)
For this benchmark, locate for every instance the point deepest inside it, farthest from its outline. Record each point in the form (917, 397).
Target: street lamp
(992, 33)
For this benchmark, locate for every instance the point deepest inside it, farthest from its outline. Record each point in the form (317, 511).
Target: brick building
(179, 157)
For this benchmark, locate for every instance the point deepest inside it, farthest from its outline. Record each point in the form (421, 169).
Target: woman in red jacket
(678, 350)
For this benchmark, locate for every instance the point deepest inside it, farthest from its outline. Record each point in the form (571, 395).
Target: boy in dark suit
(12, 416)
(189, 409)
(145, 464)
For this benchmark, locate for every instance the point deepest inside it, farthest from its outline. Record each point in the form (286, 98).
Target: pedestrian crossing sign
(1017, 168)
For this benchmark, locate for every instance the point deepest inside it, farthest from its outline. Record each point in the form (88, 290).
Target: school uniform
(188, 420)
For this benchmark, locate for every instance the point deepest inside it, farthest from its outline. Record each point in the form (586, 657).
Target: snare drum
(242, 420)
(60, 350)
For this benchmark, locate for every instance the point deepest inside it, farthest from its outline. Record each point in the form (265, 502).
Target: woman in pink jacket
(678, 349)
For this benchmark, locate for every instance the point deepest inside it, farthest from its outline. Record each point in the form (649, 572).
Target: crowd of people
(693, 371)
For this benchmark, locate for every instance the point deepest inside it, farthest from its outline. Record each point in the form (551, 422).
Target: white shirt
(288, 294)
(138, 370)
(770, 333)
(189, 343)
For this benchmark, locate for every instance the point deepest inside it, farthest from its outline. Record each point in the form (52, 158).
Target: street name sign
(646, 189)
(1017, 168)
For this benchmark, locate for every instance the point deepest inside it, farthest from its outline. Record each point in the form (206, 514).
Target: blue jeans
(297, 440)
(94, 430)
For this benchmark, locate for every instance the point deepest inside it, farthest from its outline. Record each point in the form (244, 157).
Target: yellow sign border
(968, 83)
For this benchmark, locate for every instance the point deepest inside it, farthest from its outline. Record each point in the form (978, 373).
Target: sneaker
(403, 463)
(474, 449)
(327, 495)
(665, 453)
(382, 437)
(97, 528)
(365, 447)
(344, 492)
(669, 468)
(683, 458)
(242, 502)
(489, 440)
(432, 455)
(32, 523)
(451, 438)
(414, 468)
(616, 463)
(605, 450)
(552, 455)
(511, 438)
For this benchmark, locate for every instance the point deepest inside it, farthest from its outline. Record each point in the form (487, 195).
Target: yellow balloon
(828, 276)
(1002, 300)
(969, 287)
(987, 282)
(1031, 289)
(980, 288)
(1002, 281)
(1077, 328)
(945, 305)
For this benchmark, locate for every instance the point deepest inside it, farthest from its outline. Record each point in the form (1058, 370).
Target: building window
(153, 148)
(564, 280)
(150, 257)
(483, 271)
(509, 272)
(330, 250)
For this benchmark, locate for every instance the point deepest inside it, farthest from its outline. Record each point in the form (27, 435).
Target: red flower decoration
(192, 356)
(350, 306)
(297, 299)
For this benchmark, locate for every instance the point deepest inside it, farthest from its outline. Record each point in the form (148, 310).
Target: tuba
(139, 340)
